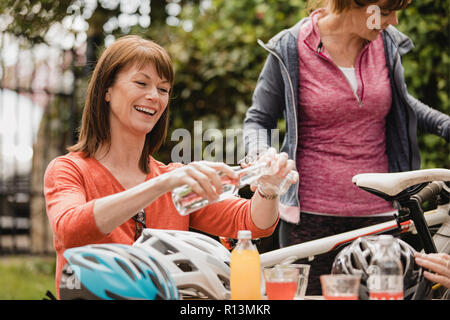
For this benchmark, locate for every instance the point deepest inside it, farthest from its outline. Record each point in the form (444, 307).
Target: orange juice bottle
(245, 278)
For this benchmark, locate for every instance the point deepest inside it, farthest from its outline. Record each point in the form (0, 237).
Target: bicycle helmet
(198, 264)
(356, 258)
(114, 271)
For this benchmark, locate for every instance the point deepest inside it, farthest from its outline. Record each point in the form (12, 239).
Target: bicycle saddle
(390, 186)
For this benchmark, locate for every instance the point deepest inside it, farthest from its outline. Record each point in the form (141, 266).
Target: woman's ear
(107, 96)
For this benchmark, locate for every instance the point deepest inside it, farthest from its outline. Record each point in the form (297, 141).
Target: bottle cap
(244, 234)
(385, 238)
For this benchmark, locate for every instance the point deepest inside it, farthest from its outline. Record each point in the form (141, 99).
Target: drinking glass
(302, 283)
(340, 286)
(281, 282)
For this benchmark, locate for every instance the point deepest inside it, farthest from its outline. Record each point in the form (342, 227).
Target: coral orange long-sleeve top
(72, 183)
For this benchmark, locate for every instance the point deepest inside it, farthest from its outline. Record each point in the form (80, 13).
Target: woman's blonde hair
(338, 6)
(95, 127)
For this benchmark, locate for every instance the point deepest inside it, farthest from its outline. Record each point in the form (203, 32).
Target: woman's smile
(148, 111)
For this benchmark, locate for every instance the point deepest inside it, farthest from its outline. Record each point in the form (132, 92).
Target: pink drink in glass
(281, 290)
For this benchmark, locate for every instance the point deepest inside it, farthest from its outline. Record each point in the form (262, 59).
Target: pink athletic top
(340, 136)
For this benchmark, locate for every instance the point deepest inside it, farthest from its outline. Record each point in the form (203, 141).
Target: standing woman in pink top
(336, 78)
(109, 187)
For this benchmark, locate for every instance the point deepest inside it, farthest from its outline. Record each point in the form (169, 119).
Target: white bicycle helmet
(198, 264)
(356, 258)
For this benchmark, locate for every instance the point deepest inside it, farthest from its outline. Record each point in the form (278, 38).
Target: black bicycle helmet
(114, 272)
(356, 259)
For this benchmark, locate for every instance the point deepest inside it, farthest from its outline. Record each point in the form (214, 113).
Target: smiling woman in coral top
(108, 187)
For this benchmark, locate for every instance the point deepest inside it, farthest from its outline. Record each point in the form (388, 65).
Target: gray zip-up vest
(276, 96)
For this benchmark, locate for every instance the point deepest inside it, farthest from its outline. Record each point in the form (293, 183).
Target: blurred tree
(217, 59)
(31, 19)
(218, 62)
(79, 29)
(427, 68)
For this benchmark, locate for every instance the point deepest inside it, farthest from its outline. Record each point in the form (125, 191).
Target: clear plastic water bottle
(245, 269)
(187, 201)
(385, 281)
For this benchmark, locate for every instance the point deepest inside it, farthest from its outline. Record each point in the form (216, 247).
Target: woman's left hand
(279, 166)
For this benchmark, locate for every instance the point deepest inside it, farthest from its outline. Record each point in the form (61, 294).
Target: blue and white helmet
(114, 272)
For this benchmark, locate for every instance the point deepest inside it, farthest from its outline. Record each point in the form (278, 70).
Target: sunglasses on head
(139, 218)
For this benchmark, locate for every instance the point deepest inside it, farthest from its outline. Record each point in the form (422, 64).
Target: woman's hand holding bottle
(203, 177)
(277, 175)
(203, 183)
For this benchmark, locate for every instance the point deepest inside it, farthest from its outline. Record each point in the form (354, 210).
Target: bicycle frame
(316, 247)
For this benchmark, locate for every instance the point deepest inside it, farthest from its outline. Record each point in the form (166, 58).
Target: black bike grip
(431, 191)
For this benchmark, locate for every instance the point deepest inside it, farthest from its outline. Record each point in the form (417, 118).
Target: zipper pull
(359, 100)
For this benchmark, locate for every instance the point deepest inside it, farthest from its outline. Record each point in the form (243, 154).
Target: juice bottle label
(341, 297)
(386, 295)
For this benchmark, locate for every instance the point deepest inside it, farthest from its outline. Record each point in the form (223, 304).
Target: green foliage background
(218, 63)
(427, 68)
(26, 278)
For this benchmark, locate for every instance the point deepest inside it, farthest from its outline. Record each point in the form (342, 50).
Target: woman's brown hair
(338, 6)
(95, 128)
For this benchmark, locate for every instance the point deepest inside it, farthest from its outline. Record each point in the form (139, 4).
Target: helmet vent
(126, 269)
(157, 283)
(91, 258)
(225, 281)
(114, 296)
(197, 245)
(137, 259)
(185, 265)
(164, 247)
